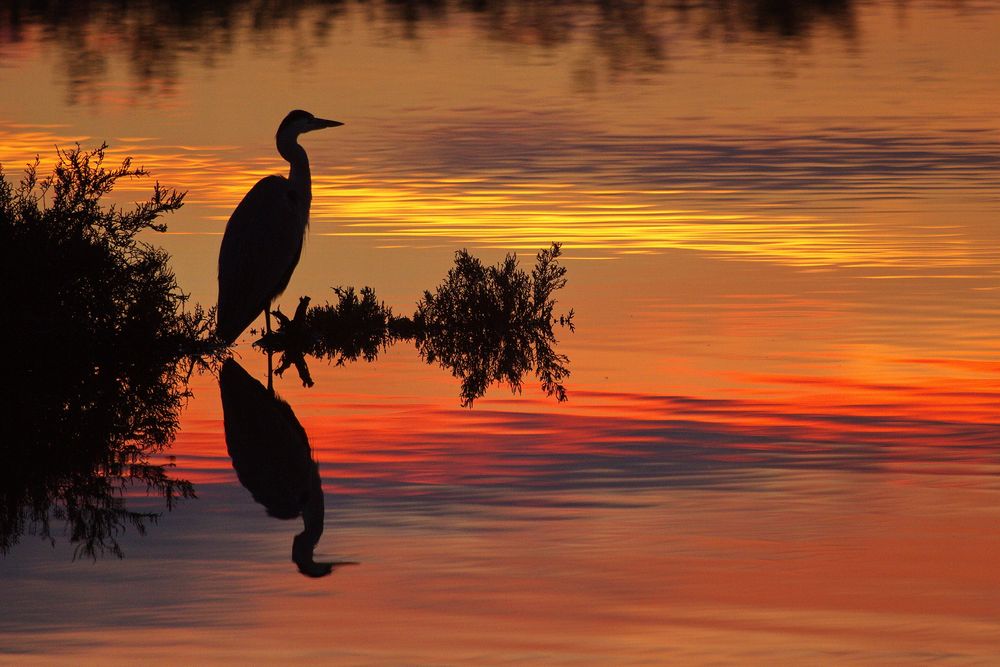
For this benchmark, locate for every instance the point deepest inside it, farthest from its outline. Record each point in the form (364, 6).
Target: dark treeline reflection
(273, 461)
(485, 324)
(152, 37)
(99, 347)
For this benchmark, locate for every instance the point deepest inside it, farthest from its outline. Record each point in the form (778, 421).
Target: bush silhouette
(99, 340)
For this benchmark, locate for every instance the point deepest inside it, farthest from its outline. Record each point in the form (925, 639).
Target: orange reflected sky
(781, 439)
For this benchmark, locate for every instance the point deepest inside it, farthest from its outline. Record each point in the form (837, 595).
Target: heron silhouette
(264, 235)
(272, 458)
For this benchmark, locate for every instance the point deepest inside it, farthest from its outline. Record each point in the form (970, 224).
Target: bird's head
(298, 122)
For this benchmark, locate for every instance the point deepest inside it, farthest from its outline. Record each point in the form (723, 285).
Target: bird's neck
(312, 519)
(298, 172)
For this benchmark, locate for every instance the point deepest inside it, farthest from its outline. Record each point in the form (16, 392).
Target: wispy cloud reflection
(815, 197)
(835, 197)
(881, 158)
(430, 460)
(189, 168)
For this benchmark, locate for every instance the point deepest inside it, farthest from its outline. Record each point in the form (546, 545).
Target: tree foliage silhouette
(99, 344)
(492, 324)
(486, 324)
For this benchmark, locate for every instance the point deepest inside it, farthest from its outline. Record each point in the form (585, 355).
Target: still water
(780, 227)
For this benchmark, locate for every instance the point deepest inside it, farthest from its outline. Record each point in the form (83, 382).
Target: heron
(272, 458)
(264, 235)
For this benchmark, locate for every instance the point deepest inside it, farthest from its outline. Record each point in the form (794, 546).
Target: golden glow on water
(526, 215)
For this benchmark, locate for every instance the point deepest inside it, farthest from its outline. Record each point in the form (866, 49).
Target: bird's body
(261, 247)
(272, 458)
(263, 239)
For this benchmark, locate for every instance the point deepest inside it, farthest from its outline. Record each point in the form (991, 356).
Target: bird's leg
(270, 371)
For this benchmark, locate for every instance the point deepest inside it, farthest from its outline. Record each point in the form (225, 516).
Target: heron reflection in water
(264, 235)
(271, 455)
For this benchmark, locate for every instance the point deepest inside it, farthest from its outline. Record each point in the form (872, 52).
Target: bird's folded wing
(259, 251)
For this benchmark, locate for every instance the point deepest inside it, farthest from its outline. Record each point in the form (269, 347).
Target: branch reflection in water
(273, 460)
(487, 325)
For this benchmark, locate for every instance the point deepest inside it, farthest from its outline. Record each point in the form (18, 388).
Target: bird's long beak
(320, 123)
